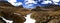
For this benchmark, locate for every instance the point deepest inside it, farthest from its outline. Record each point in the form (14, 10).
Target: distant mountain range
(3, 1)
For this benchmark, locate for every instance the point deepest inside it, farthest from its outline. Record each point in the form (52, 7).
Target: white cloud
(30, 1)
(11, 0)
(46, 2)
(17, 4)
(14, 2)
(55, 0)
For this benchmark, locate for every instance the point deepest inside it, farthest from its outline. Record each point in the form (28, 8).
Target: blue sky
(32, 4)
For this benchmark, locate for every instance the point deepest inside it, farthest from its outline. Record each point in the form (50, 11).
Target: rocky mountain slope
(48, 14)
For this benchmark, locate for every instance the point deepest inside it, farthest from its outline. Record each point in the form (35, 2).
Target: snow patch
(7, 21)
(29, 19)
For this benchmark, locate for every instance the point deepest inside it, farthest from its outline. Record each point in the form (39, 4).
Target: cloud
(46, 2)
(14, 2)
(31, 3)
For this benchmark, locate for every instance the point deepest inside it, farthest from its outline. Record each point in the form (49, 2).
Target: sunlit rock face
(31, 4)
